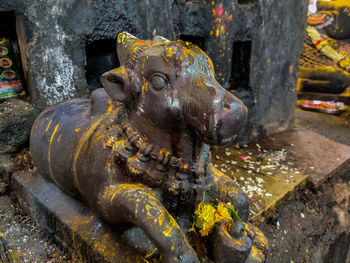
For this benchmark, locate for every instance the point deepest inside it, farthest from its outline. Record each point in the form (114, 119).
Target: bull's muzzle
(230, 118)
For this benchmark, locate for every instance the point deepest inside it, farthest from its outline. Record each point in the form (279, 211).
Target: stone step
(272, 169)
(72, 224)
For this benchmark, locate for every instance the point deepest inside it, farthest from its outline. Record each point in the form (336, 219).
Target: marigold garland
(323, 46)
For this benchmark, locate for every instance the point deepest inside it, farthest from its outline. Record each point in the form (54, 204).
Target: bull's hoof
(230, 242)
(260, 243)
(237, 242)
(255, 256)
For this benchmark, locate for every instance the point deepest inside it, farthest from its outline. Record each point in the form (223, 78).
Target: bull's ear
(117, 84)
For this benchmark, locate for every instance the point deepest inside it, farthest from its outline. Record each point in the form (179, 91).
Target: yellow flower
(313, 33)
(207, 215)
(344, 62)
(325, 47)
(222, 212)
(322, 44)
(204, 215)
(206, 230)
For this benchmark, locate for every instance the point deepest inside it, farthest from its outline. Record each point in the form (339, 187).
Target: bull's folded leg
(225, 190)
(138, 205)
(238, 240)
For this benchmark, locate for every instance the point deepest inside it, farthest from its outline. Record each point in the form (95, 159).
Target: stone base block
(72, 224)
(272, 169)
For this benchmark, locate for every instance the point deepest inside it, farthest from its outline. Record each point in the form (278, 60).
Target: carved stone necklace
(158, 168)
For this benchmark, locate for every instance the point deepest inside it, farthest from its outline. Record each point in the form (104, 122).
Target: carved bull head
(171, 84)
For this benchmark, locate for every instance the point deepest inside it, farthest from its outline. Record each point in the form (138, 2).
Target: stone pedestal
(71, 223)
(272, 169)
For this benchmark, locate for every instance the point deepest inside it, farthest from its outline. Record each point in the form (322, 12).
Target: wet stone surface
(334, 127)
(266, 177)
(271, 170)
(314, 154)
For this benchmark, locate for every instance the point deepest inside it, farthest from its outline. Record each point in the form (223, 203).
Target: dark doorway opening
(244, 2)
(101, 56)
(240, 70)
(199, 41)
(12, 80)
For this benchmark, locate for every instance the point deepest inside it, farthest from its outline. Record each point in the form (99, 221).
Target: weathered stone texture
(16, 120)
(270, 33)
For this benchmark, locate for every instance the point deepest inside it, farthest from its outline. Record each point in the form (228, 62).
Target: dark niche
(245, 2)
(240, 69)
(101, 56)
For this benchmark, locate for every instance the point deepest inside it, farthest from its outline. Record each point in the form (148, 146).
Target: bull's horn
(124, 40)
(160, 39)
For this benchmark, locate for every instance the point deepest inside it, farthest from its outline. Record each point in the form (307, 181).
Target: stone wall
(268, 35)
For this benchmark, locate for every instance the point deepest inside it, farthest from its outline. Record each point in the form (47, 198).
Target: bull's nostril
(226, 104)
(227, 107)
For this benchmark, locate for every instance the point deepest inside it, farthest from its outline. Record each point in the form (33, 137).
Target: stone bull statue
(137, 152)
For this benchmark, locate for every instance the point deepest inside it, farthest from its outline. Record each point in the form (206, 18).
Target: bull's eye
(159, 81)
